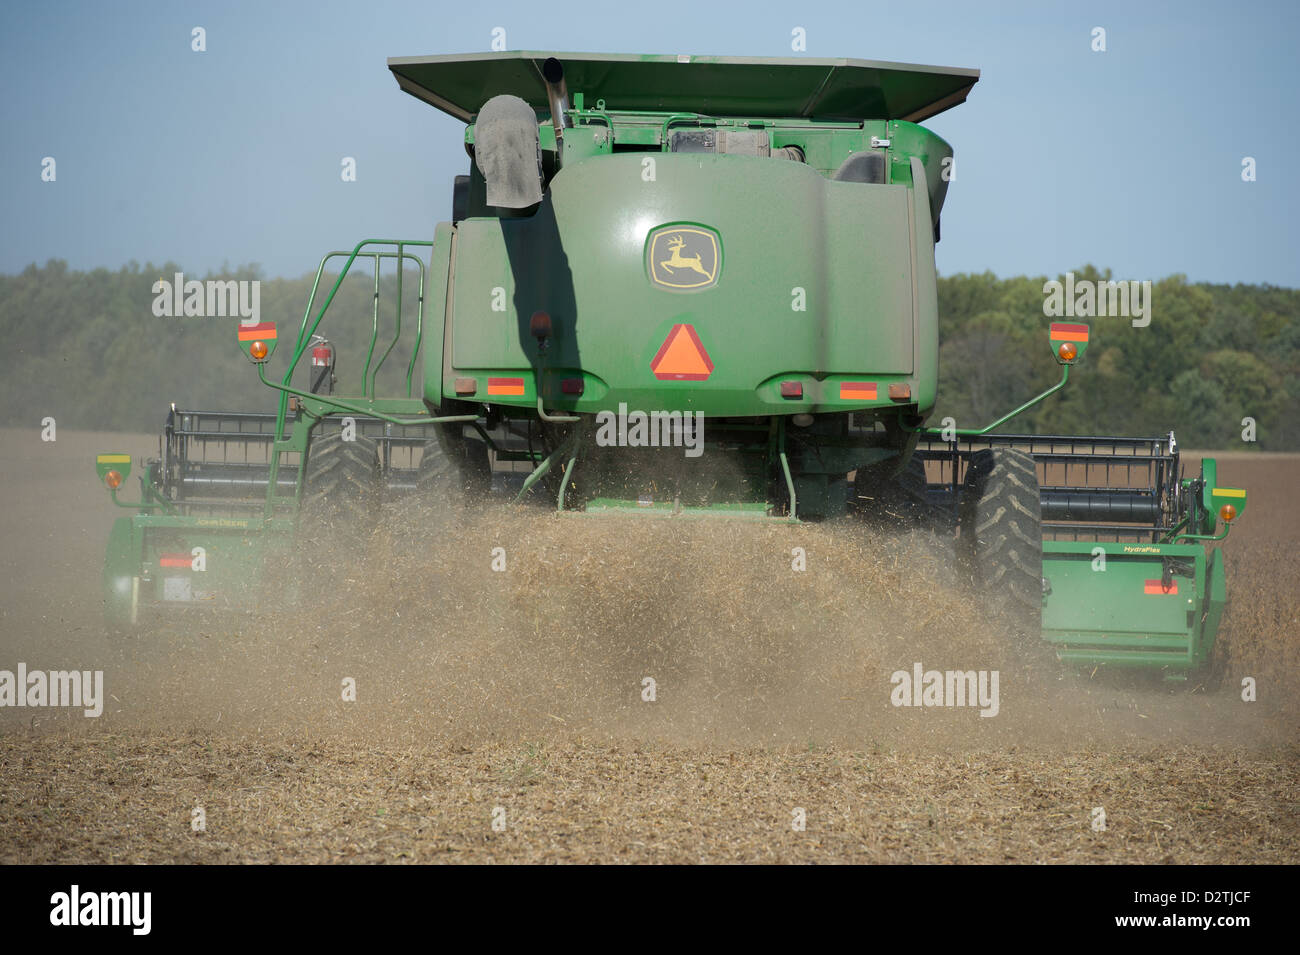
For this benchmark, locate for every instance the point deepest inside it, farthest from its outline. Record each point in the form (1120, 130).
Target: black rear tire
(1001, 540)
(453, 472)
(341, 486)
(892, 501)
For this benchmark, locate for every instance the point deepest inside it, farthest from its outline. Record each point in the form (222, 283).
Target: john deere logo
(682, 257)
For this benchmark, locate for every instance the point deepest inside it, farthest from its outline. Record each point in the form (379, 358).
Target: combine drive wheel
(892, 502)
(442, 479)
(1001, 539)
(341, 484)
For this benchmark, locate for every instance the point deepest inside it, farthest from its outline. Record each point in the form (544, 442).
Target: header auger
(688, 287)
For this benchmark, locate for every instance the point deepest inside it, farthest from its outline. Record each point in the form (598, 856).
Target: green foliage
(1211, 356)
(86, 348)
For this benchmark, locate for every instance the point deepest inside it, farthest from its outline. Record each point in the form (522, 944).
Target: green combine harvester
(683, 287)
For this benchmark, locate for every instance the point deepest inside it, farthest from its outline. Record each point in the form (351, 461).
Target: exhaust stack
(557, 93)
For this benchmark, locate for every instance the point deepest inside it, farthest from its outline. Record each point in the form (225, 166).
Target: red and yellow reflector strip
(263, 330)
(857, 391)
(175, 560)
(506, 387)
(682, 357)
(1158, 587)
(1067, 332)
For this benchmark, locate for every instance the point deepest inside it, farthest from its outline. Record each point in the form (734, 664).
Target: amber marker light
(1067, 351)
(1226, 513)
(258, 351)
(113, 479)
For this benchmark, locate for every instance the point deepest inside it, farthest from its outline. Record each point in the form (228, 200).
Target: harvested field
(521, 694)
(126, 798)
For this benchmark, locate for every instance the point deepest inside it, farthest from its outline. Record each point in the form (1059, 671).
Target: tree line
(85, 348)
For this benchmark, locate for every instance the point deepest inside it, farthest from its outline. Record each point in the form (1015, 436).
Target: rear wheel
(1001, 540)
(453, 471)
(892, 501)
(341, 485)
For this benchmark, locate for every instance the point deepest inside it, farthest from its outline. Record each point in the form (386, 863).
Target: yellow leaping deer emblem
(685, 258)
(679, 261)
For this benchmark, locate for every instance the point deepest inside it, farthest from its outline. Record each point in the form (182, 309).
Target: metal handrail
(305, 333)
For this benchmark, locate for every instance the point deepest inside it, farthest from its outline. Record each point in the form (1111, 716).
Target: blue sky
(1128, 159)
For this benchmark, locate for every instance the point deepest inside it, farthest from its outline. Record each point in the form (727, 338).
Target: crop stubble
(523, 690)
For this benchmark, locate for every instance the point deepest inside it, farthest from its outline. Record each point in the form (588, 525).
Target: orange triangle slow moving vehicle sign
(682, 357)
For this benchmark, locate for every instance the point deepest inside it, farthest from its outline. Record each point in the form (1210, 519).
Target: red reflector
(174, 560)
(1158, 587)
(466, 386)
(572, 386)
(792, 389)
(857, 391)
